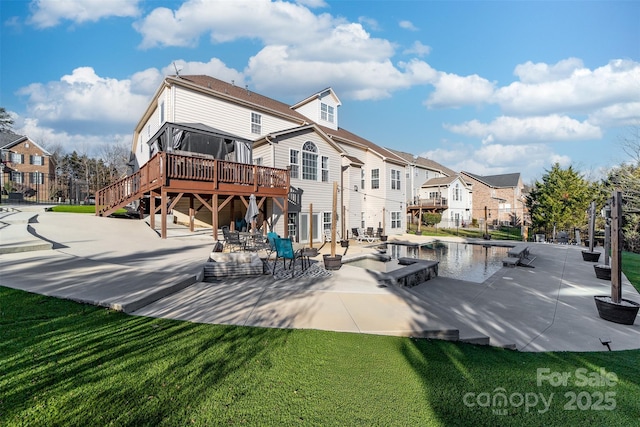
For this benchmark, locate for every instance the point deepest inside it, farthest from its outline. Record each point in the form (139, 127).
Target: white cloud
(352, 79)
(541, 72)
(84, 99)
(312, 3)
(494, 159)
(225, 21)
(407, 25)
(214, 67)
(617, 115)
(369, 23)
(80, 142)
(569, 88)
(49, 13)
(527, 130)
(452, 91)
(418, 48)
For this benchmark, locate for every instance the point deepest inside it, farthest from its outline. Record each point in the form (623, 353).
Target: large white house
(305, 138)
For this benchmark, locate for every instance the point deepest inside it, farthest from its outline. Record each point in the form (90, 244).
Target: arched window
(309, 161)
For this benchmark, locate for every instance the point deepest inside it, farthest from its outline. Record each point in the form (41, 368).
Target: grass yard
(63, 363)
(631, 268)
(82, 209)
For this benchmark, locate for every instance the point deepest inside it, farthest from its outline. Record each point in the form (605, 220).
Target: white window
(256, 123)
(161, 112)
(434, 195)
(395, 179)
(16, 177)
(309, 161)
(362, 173)
(294, 162)
(362, 219)
(37, 160)
(456, 193)
(326, 221)
(326, 112)
(325, 169)
(257, 161)
(396, 219)
(375, 178)
(16, 158)
(37, 178)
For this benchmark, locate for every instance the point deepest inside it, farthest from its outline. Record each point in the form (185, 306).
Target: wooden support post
(163, 214)
(311, 225)
(214, 216)
(191, 214)
(616, 243)
(334, 215)
(152, 210)
(285, 205)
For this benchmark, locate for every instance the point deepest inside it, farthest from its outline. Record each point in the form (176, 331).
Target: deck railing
(164, 167)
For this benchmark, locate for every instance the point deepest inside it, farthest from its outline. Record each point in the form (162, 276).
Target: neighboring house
(304, 138)
(501, 195)
(27, 168)
(451, 193)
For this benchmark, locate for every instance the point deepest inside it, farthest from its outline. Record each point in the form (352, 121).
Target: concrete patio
(109, 262)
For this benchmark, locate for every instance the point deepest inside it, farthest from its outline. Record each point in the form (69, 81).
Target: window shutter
(22, 158)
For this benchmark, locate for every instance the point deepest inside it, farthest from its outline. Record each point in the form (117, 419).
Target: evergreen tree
(561, 199)
(6, 122)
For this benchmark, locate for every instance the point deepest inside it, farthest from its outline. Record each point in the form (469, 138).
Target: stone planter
(590, 256)
(332, 262)
(624, 313)
(602, 271)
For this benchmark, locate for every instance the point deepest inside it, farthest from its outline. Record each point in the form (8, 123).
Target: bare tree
(115, 157)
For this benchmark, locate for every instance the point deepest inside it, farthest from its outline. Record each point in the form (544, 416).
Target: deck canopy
(197, 139)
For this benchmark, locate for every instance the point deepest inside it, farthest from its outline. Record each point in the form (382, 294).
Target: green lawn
(89, 209)
(63, 363)
(631, 268)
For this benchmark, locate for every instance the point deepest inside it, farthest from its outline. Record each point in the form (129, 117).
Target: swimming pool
(464, 261)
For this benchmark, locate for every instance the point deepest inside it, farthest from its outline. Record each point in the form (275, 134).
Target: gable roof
(233, 93)
(442, 180)
(9, 140)
(317, 95)
(238, 94)
(424, 162)
(497, 181)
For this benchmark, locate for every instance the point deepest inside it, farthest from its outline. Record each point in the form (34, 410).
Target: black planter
(618, 313)
(383, 238)
(344, 243)
(332, 262)
(602, 271)
(590, 256)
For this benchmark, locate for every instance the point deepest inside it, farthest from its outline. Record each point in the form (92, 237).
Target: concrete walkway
(123, 264)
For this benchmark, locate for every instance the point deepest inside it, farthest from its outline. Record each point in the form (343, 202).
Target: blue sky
(487, 87)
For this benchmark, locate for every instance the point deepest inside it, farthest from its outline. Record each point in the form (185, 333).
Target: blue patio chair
(284, 250)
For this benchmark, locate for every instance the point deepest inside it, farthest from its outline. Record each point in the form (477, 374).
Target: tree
(431, 218)
(6, 122)
(561, 199)
(626, 177)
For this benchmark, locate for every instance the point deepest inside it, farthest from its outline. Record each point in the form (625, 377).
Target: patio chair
(284, 250)
(232, 239)
(327, 235)
(362, 235)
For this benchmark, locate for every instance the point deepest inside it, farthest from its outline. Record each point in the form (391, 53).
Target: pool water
(463, 261)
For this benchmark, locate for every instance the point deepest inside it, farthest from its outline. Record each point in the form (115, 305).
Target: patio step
(478, 340)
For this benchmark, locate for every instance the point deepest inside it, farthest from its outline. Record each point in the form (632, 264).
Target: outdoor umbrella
(252, 211)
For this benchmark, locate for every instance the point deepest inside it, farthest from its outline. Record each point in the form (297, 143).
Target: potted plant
(591, 255)
(613, 307)
(333, 261)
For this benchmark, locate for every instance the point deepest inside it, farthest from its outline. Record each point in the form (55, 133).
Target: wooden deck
(172, 176)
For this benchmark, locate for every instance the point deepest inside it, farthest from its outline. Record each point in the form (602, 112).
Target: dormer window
(326, 112)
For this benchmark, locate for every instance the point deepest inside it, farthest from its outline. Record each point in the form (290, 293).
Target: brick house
(501, 195)
(27, 168)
